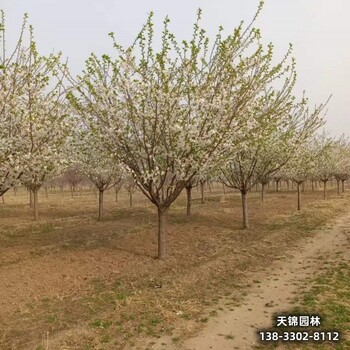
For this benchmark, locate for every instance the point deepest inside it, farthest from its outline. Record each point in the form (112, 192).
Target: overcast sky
(318, 29)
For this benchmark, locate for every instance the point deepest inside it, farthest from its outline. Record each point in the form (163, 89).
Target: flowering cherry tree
(168, 114)
(95, 163)
(12, 82)
(279, 127)
(301, 167)
(130, 186)
(342, 165)
(278, 176)
(189, 185)
(45, 124)
(34, 115)
(118, 184)
(326, 160)
(198, 180)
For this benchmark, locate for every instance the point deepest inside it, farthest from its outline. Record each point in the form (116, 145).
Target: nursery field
(72, 282)
(170, 188)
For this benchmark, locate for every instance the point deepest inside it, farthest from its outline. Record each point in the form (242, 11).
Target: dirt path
(279, 282)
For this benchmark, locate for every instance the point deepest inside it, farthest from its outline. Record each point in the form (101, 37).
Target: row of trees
(34, 116)
(167, 117)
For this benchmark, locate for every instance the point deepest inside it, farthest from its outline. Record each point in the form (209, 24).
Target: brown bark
(35, 204)
(117, 188)
(162, 241)
(245, 210)
(116, 193)
(299, 200)
(189, 198)
(100, 204)
(224, 188)
(338, 186)
(262, 192)
(343, 185)
(202, 192)
(324, 189)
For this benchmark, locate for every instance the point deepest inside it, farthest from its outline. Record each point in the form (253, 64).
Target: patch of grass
(229, 337)
(329, 298)
(51, 318)
(213, 313)
(175, 339)
(101, 324)
(106, 339)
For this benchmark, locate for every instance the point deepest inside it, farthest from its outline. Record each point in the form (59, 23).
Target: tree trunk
(324, 189)
(100, 204)
(130, 199)
(202, 192)
(288, 185)
(312, 186)
(3, 199)
(116, 194)
(262, 192)
(277, 185)
(189, 195)
(245, 210)
(338, 187)
(30, 198)
(298, 190)
(162, 243)
(343, 185)
(35, 203)
(224, 188)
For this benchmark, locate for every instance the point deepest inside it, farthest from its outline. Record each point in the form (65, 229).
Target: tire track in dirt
(237, 329)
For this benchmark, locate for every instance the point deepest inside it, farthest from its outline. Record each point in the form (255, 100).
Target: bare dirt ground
(69, 282)
(280, 281)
